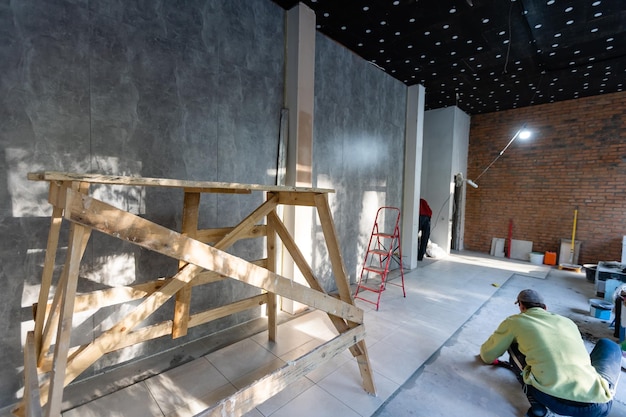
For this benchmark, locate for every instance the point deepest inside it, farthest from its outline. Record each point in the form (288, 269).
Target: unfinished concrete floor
(422, 349)
(454, 382)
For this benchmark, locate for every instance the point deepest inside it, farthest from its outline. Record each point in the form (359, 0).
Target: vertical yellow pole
(571, 252)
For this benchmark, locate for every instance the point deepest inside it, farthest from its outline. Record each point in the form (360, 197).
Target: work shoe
(547, 414)
(536, 409)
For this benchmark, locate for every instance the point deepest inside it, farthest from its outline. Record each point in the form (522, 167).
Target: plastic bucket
(600, 309)
(590, 272)
(536, 258)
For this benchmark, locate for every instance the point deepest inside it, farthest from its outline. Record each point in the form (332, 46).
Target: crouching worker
(551, 362)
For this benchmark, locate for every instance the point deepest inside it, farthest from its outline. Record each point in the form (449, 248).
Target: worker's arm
(498, 342)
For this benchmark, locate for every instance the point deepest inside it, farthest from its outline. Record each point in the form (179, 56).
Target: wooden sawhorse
(200, 263)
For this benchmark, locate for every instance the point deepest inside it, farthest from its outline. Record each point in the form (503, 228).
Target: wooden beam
(191, 205)
(126, 226)
(227, 310)
(247, 398)
(44, 321)
(307, 271)
(343, 285)
(290, 198)
(297, 256)
(112, 338)
(41, 314)
(117, 295)
(214, 235)
(272, 307)
(52, 321)
(78, 237)
(164, 328)
(247, 224)
(32, 402)
(334, 250)
(197, 186)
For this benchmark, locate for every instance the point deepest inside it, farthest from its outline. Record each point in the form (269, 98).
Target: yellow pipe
(571, 256)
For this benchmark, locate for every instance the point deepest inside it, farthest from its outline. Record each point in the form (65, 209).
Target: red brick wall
(575, 158)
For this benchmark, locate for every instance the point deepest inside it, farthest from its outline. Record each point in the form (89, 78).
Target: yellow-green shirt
(557, 362)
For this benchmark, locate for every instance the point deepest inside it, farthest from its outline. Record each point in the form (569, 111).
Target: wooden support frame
(199, 264)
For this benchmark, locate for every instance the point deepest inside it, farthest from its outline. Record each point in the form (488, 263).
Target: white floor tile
(258, 373)
(396, 364)
(184, 384)
(240, 358)
(315, 402)
(195, 405)
(288, 338)
(346, 385)
(279, 400)
(134, 400)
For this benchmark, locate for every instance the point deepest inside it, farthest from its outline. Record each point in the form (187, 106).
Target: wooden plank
(272, 307)
(41, 314)
(214, 235)
(164, 328)
(247, 224)
(334, 250)
(290, 198)
(227, 310)
(343, 285)
(200, 186)
(216, 190)
(32, 402)
(78, 238)
(57, 194)
(117, 295)
(126, 226)
(112, 338)
(247, 398)
(53, 316)
(191, 205)
(44, 321)
(294, 251)
(307, 271)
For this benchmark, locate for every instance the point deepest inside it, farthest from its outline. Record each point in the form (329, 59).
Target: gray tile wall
(189, 90)
(358, 147)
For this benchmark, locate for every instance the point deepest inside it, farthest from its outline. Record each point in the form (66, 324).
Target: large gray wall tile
(174, 89)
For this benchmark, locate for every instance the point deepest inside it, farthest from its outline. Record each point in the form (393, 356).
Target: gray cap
(529, 296)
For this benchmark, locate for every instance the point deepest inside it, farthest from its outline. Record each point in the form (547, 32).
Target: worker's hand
(495, 361)
(479, 359)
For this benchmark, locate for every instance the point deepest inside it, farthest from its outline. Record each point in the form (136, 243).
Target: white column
(300, 95)
(414, 138)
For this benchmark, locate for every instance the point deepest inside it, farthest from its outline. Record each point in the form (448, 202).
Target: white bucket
(536, 258)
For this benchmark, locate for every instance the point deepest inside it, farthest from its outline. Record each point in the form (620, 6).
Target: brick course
(575, 158)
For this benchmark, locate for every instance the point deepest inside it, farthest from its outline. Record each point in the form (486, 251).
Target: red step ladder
(381, 251)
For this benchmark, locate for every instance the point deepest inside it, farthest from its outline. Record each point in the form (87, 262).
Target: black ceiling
(485, 55)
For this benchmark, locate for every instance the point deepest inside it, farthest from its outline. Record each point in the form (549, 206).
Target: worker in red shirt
(424, 227)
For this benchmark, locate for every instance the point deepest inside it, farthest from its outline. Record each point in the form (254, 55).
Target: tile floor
(406, 339)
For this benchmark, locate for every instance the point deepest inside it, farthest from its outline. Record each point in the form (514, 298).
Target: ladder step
(380, 252)
(385, 235)
(372, 289)
(374, 269)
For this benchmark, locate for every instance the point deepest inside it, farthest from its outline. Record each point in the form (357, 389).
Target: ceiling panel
(485, 55)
